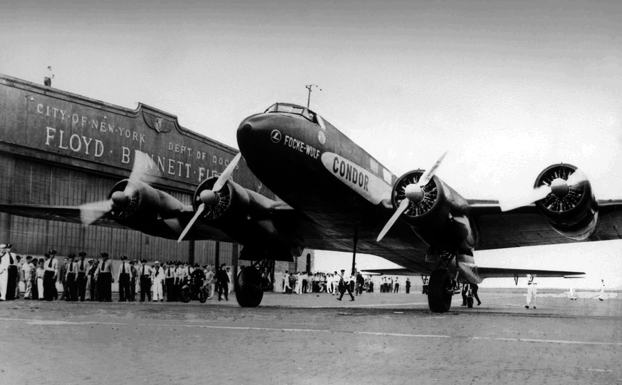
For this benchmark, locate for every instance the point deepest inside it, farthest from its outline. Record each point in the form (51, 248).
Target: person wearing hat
(144, 272)
(158, 282)
(81, 281)
(344, 285)
(49, 278)
(71, 279)
(124, 279)
(91, 280)
(532, 294)
(105, 279)
(8, 272)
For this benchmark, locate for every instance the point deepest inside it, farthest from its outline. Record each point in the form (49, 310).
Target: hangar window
(297, 110)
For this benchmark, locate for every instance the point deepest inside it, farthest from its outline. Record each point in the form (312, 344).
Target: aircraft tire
(246, 292)
(469, 302)
(439, 297)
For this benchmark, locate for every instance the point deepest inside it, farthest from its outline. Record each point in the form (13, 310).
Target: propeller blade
(139, 169)
(222, 179)
(576, 178)
(194, 219)
(90, 212)
(402, 207)
(534, 196)
(428, 174)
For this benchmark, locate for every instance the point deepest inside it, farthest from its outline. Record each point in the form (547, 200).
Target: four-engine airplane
(332, 195)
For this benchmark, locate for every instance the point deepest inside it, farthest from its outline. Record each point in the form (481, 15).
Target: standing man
(474, 289)
(407, 286)
(170, 282)
(158, 282)
(71, 279)
(145, 281)
(397, 286)
(223, 282)
(104, 279)
(82, 276)
(7, 278)
(63, 280)
(602, 290)
(27, 274)
(209, 282)
(92, 280)
(230, 276)
(50, 275)
(531, 291)
(124, 279)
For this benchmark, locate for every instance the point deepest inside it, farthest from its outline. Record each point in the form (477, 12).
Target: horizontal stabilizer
(396, 271)
(498, 272)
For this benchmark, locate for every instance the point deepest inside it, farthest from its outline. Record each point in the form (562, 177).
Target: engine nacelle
(142, 202)
(573, 212)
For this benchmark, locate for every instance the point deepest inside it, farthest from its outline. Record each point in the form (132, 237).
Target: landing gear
(252, 281)
(440, 291)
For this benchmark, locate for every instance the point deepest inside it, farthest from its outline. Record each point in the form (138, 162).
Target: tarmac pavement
(314, 339)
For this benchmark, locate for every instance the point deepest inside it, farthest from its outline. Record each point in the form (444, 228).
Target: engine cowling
(232, 203)
(571, 211)
(431, 210)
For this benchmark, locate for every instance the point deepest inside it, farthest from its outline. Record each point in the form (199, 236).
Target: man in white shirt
(344, 285)
(145, 272)
(158, 282)
(124, 279)
(27, 274)
(71, 276)
(532, 294)
(49, 276)
(5, 263)
(105, 274)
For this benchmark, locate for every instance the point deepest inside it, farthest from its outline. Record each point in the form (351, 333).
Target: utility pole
(309, 87)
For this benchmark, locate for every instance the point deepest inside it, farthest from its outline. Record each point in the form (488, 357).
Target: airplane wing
(55, 213)
(526, 227)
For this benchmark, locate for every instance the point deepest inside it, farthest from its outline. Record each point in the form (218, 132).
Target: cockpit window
(297, 110)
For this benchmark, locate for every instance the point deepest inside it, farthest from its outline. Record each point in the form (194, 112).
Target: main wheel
(440, 291)
(246, 287)
(469, 302)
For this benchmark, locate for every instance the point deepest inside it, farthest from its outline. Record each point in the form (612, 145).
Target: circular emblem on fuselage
(275, 135)
(321, 136)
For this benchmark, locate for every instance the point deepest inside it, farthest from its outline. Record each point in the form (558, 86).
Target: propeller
(211, 197)
(91, 212)
(558, 187)
(414, 193)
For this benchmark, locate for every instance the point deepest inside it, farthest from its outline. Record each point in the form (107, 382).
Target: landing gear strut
(440, 291)
(252, 281)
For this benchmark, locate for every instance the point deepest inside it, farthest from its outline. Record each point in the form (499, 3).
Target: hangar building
(59, 148)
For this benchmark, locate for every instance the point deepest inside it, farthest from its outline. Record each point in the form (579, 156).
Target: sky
(506, 87)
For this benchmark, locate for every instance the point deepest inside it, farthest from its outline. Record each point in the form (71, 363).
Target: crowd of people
(91, 279)
(337, 283)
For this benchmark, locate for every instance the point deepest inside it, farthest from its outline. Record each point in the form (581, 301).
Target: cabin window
(386, 175)
(373, 165)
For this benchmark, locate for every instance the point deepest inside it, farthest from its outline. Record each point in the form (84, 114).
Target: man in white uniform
(158, 282)
(602, 290)
(531, 291)
(5, 255)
